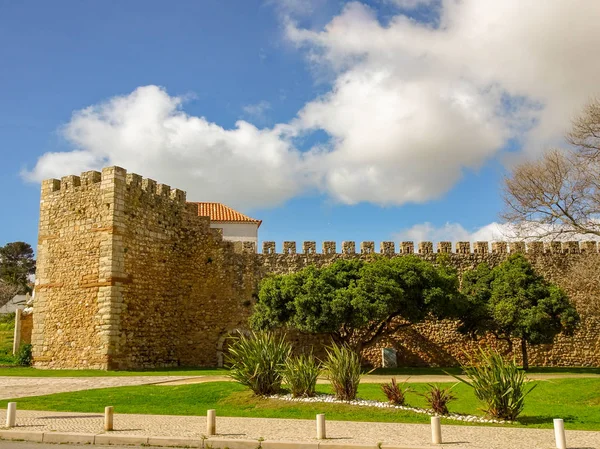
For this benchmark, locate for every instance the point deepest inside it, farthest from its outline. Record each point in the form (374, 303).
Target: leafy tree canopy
(512, 301)
(357, 302)
(17, 264)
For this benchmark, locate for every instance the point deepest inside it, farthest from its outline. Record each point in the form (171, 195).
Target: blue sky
(328, 120)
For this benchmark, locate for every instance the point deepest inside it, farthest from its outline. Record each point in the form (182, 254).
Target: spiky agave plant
(257, 361)
(499, 384)
(300, 375)
(343, 370)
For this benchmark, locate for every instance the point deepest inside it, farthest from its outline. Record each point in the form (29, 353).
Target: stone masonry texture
(26, 328)
(129, 277)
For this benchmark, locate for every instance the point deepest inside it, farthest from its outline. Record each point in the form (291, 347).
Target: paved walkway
(19, 387)
(338, 432)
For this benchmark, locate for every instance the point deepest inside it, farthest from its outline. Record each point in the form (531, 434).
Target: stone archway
(223, 338)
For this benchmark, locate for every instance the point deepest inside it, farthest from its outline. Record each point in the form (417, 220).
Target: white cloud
(454, 232)
(411, 4)
(257, 112)
(148, 133)
(297, 8)
(492, 232)
(411, 107)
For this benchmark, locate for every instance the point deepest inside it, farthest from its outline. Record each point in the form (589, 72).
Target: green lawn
(577, 401)
(7, 328)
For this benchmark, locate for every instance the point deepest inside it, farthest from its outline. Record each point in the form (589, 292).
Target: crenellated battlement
(108, 176)
(130, 276)
(426, 247)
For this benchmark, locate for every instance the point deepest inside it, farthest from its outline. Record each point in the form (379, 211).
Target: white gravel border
(331, 399)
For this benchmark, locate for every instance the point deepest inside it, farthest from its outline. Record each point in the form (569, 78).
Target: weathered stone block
(589, 246)
(387, 248)
(570, 247)
(425, 247)
(517, 247)
(149, 185)
(481, 248)
(463, 247)
(134, 180)
(289, 247)
(309, 247)
(444, 247)
(407, 247)
(535, 247)
(367, 247)
(499, 247)
(554, 247)
(268, 247)
(90, 177)
(249, 247)
(348, 247)
(68, 182)
(329, 248)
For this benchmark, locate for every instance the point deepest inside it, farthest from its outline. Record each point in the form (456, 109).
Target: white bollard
(321, 434)
(11, 414)
(108, 418)
(436, 430)
(559, 434)
(211, 422)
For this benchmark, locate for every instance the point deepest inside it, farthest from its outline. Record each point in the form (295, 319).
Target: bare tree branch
(8, 292)
(558, 195)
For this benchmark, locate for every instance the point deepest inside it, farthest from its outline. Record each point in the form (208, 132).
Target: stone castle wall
(26, 328)
(128, 277)
(573, 266)
(186, 286)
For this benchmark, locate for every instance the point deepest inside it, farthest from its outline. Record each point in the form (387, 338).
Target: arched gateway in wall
(223, 339)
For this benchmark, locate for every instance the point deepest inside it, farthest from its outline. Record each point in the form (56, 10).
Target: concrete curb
(208, 443)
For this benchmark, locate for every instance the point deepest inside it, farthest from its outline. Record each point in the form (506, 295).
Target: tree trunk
(524, 353)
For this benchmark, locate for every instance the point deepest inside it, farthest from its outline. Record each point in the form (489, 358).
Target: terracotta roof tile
(222, 213)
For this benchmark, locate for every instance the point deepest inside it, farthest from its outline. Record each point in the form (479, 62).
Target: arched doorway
(223, 343)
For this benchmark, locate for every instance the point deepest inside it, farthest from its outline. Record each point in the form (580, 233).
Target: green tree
(513, 301)
(358, 302)
(17, 264)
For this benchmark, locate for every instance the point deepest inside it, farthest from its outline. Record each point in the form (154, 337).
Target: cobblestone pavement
(19, 387)
(338, 432)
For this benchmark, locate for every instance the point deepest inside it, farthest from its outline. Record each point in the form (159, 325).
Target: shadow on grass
(416, 371)
(544, 419)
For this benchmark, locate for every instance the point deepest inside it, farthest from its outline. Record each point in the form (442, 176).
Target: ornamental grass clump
(342, 367)
(300, 375)
(438, 398)
(257, 361)
(395, 393)
(499, 384)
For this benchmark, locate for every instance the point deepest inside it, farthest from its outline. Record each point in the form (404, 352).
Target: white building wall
(18, 302)
(238, 232)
